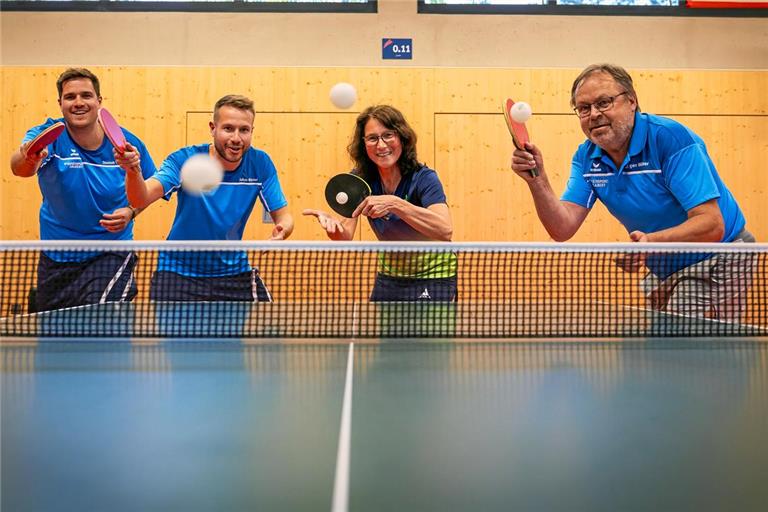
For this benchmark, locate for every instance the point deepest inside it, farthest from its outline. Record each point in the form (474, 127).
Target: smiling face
(79, 103)
(232, 131)
(387, 149)
(611, 129)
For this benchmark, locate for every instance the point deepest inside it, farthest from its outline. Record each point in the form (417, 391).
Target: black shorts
(397, 289)
(107, 277)
(245, 287)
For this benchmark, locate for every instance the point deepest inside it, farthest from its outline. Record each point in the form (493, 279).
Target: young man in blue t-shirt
(249, 174)
(655, 176)
(84, 198)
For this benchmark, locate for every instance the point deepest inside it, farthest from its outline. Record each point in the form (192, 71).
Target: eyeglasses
(601, 105)
(373, 140)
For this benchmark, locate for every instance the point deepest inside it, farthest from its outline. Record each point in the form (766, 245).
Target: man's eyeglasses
(601, 105)
(373, 140)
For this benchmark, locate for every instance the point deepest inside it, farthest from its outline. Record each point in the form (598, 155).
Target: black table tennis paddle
(345, 192)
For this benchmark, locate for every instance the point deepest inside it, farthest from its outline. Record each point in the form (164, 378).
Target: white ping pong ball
(201, 174)
(520, 112)
(342, 198)
(343, 95)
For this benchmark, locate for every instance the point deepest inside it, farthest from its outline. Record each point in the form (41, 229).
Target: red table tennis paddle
(45, 137)
(345, 192)
(112, 130)
(518, 131)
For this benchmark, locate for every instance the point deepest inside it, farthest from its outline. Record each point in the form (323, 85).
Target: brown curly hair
(394, 120)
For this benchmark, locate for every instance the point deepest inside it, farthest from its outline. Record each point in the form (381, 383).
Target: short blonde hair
(235, 101)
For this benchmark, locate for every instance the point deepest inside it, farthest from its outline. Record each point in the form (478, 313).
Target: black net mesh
(426, 290)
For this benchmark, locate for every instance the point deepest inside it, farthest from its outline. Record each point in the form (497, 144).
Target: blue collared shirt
(666, 172)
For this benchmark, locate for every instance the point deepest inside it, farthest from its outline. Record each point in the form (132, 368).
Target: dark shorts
(398, 289)
(245, 287)
(106, 278)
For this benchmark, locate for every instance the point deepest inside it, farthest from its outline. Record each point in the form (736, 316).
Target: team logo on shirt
(633, 166)
(640, 168)
(596, 176)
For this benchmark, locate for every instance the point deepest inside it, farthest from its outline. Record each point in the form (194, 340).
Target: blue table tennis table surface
(228, 424)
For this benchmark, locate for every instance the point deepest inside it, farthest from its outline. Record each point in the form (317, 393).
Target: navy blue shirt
(420, 188)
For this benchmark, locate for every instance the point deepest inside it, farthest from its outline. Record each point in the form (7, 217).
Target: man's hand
(33, 158)
(129, 160)
(118, 220)
(278, 233)
(632, 262)
(524, 161)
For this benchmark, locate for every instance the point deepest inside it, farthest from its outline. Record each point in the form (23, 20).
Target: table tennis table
(292, 423)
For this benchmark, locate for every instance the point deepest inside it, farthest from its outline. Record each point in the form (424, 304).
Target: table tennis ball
(520, 112)
(343, 95)
(201, 174)
(342, 198)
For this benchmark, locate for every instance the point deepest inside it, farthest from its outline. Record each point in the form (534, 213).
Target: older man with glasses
(655, 176)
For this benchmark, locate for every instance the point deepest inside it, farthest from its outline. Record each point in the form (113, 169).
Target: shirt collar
(636, 142)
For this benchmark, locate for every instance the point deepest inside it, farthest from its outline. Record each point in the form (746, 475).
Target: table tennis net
(324, 290)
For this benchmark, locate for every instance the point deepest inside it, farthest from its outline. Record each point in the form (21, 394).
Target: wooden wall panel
(488, 201)
(738, 145)
(548, 90)
(456, 113)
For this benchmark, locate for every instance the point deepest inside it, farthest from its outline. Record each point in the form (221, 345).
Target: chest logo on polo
(74, 160)
(597, 176)
(642, 167)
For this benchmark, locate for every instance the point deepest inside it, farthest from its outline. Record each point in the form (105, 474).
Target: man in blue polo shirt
(83, 199)
(249, 174)
(655, 176)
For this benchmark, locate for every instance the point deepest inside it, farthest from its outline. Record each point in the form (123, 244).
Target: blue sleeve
(147, 163)
(688, 175)
(578, 190)
(272, 196)
(169, 174)
(430, 189)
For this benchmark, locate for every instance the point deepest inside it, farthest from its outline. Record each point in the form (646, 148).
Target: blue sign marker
(396, 48)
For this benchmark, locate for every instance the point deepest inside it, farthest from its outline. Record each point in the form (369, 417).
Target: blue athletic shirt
(78, 187)
(666, 172)
(220, 215)
(421, 188)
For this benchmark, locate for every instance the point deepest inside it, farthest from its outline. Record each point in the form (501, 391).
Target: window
(724, 8)
(339, 6)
